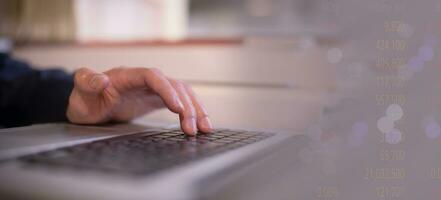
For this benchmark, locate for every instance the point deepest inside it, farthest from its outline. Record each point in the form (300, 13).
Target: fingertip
(189, 126)
(204, 125)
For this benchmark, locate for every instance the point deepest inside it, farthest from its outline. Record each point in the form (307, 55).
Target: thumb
(90, 81)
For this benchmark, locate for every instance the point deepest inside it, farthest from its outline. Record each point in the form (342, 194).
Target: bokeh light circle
(385, 124)
(425, 53)
(432, 130)
(393, 137)
(415, 64)
(394, 112)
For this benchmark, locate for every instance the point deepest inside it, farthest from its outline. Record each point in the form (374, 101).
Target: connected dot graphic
(386, 124)
(393, 137)
(394, 112)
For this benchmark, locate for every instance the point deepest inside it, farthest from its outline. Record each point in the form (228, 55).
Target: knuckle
(178, 84)
(154, 70)
(190, 113)
(184, 84)
(153, 76)
(117, 69)
(172, 81)
(149, 72)
(187, 87)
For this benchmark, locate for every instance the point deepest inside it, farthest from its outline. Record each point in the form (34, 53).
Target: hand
(122, 94)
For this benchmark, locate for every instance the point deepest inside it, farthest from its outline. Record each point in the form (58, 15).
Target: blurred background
(115, 20)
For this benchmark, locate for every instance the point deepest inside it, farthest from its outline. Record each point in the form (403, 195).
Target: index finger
(154, 80)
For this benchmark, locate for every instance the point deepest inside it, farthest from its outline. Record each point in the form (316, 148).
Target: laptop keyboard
(144, 153)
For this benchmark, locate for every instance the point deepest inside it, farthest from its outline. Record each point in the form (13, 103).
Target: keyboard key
(142, 153)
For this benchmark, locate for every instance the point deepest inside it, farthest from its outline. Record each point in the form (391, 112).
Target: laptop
(124, 161)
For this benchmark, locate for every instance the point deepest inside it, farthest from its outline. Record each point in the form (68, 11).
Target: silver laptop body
(190, 180)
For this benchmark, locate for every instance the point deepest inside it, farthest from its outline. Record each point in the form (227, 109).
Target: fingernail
(95, 82)
(191, 124)
(206, 123)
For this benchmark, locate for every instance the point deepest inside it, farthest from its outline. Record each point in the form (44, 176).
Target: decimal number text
(392, 155)
(327, 192)
(390, 63)
(391, 81)
(389, 192)
(386, 99)
(396, 45)
(385, 173)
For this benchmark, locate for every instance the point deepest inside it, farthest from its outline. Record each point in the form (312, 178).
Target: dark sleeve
(29, 96)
